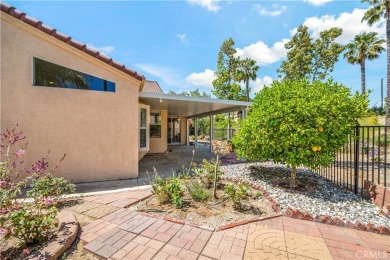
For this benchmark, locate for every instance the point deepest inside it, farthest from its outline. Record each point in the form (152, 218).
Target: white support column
(228, 127)
(196, 132)
(211, 132)
(188, 131)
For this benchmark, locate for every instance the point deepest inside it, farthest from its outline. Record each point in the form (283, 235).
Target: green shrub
(191, 137)
(205, 172)
(169, 190)
(198, 193)
(258, 194)
(296, 122)
(50, 187)
(32, 220)
(236, 193)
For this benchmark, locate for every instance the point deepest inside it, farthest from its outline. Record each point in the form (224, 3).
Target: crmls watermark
(372, 255)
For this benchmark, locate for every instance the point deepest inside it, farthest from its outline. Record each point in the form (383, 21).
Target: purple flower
(48, 201)
(20, 152)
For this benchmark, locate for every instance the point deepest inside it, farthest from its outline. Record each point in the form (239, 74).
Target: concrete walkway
(122, 233)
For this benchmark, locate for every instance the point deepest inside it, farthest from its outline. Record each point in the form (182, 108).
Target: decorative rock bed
(321, 201)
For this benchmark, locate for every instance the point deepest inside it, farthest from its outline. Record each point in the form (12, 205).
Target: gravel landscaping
(315, 194)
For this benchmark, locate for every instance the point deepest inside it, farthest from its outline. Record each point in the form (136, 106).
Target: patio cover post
(196, 132)
(228, 127)
(211, 132)
(188, 131)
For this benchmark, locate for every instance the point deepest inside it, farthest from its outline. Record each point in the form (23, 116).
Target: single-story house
(72, 99)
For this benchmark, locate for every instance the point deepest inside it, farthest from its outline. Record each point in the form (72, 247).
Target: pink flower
(2, 183)
(3, 231)
(26, 251)
(20, 152)
(48, 201)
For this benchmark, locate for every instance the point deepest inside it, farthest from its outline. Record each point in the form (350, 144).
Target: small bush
(31, 221)
(205, 172)
(50, 187)
(169, 190)
(236, 193)
(191, 137)
(258, 194)
(198, 193)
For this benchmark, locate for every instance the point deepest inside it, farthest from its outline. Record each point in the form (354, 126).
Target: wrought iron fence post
(356, 161)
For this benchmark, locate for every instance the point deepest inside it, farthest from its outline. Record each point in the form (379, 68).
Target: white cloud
(317, 2)
(202, 78)
(276, 9)
(349, 22)
(263, 54)
(259, 83)
(106, 50)
(168, 75)
(211, 5)
(182, 38)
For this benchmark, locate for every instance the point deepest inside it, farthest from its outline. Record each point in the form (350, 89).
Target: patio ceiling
(190, 106)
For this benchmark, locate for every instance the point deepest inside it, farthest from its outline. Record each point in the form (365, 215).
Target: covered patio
(181, 109)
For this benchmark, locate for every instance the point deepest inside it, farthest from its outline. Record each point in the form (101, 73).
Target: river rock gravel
(318, 196)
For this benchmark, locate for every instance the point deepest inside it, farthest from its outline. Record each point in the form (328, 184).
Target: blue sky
(176, 42)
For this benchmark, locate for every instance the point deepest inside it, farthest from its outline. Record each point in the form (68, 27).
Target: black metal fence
(363, 158)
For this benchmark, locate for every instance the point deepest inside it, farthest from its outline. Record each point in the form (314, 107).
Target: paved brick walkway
(127, 234)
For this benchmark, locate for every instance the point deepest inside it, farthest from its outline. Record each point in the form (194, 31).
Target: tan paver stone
(260, 236)
(100, 211)
(85, 206)
(265, 253)
(309, 246)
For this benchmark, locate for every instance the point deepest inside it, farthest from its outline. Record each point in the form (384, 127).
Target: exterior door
(174, 131)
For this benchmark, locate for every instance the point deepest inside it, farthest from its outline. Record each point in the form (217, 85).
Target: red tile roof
(67, 39)
(152, 86)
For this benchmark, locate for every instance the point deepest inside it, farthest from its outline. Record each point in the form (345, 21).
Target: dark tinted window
(47, 74)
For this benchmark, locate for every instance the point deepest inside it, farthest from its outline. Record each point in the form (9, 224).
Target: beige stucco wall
(97, 131)
(160, 145)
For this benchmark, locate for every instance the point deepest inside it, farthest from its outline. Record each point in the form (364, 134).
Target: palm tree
(365, 46)
(379, 9)
(247, 71)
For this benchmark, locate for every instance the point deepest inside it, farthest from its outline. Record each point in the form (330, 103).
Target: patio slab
(128, 234)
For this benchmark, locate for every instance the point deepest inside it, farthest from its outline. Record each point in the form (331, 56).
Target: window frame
(155, 112)
(141, 107)
(34, 78)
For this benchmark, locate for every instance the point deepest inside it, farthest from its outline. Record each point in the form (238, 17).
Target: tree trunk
(293, 179)
(363, 75)
(215, 178)
(388, 66)
(247, 90)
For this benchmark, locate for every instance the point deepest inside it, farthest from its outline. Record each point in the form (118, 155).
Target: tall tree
(309, 57)
(299, 56)
(225, 85)
(326, 53)
(191, 93)
(247, 70)
(364, 46)
(379, 9)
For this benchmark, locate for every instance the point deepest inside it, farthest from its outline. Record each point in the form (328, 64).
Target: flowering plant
(31, 220)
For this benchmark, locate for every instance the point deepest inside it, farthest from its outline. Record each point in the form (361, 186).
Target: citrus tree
(295, 122)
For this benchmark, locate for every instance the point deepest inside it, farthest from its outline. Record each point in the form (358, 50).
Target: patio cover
(191, 106)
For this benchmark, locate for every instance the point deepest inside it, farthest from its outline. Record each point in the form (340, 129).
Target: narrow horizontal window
(47, 74)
